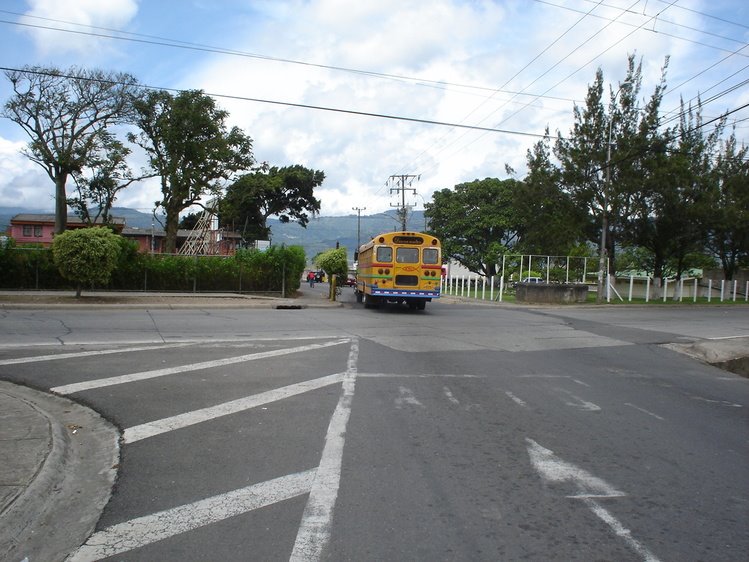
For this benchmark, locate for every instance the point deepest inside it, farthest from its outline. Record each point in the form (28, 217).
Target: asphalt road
(458, 433)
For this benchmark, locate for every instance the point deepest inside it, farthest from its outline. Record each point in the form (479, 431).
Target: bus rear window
(384, 254)
(407, 255)
(431, 255)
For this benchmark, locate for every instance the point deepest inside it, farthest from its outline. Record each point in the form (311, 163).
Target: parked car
(529, 280)
(350, 281)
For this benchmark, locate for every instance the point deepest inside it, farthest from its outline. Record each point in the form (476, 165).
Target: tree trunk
(61, 204)
(170, 242)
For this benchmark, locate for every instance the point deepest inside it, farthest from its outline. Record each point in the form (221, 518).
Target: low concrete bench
(551, 293)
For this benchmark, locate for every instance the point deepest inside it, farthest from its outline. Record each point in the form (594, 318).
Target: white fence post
(665, 288)
(647, 289)
(491, 289)
(722, 289)
(681, 290)
(709, 290)
(631, 283)
(483, 288)
(694, 299)
(735, 283)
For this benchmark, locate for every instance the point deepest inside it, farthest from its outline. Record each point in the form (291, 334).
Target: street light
(604, 209)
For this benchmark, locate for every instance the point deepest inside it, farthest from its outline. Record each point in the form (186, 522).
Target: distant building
(39, 229)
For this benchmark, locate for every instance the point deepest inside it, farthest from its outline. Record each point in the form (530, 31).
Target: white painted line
(450, 396)
(157, 427)
(554, 469)
(581, 404)
(166, 340)
(515, 399)
(728, 338)
(314, 529)
(581, 383)
(75, 355)
(644, 411)
(411, 375)
(122, 379)
(143, 531)
(406, 396)
(621, 531)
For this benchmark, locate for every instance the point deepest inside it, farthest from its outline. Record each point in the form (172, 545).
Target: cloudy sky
(513, 66)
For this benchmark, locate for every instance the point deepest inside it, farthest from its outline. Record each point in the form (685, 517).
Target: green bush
(86, 255)
(247, 271)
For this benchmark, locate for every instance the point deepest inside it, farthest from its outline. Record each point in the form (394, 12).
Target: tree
(589, 155)
(548, 221)
(86, 255)
(333, 262)
(726, 206)
(286, 192)
(105, 175)
(190, 148)
(475, 222)
(65, 115)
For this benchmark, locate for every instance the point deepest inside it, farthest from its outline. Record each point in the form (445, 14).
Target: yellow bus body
(403, 267)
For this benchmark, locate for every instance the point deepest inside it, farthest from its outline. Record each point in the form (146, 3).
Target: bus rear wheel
(370, 301)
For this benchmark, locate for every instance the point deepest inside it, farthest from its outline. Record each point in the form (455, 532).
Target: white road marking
(406, 396)
(410, 375)
(644, 411)
(554, 469)
(515, 399)
(75, 355)
(450, 396)
(145, 430)
(713, 401)
(581, 404)
(143, 531)
(122, 379)
(621, 531)
(314, 529)
(581, 383)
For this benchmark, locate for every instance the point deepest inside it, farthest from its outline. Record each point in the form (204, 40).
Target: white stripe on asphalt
(143, 531)
(314, 530)
(515, 399)
(644, 411)
(145, 430)
(122, 379)
(621, 531)
(75, 355)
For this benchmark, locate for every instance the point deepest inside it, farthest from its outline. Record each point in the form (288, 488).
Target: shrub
(86, 255)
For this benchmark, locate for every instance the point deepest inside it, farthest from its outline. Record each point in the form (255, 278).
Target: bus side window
(384, 254)
(431, 256)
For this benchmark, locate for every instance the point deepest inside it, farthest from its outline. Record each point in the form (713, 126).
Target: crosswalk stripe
(145, 430)
(143, 531)
(77, 354)
(133, 377)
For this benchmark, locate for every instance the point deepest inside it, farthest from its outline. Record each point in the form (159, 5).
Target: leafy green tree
(333, 262)
(726, 207)
(86, 255)
(548, 221)
(97, 186)
(189, 147)
(590, 156)
(286, 192)
(475, 222)
(65, 114)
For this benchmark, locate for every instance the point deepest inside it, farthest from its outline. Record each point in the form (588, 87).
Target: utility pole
(400, 182)
(358, 225)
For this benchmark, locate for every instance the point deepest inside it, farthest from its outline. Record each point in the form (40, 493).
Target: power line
(159, 41)
(292, 104)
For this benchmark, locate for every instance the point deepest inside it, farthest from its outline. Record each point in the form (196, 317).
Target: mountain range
(322, 233)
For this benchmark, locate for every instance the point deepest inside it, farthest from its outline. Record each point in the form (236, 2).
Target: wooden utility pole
(400, 182)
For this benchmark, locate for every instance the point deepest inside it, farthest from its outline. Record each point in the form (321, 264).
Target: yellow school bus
(400, 267)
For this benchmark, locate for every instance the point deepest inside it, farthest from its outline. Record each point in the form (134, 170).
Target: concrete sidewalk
(58, 463)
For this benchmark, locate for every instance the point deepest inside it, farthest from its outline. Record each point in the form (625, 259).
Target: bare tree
(65, 114)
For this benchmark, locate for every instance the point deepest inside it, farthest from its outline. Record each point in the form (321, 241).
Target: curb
(59, 508)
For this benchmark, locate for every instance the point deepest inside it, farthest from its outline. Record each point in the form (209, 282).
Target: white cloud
(109, 14)
(22, 182)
